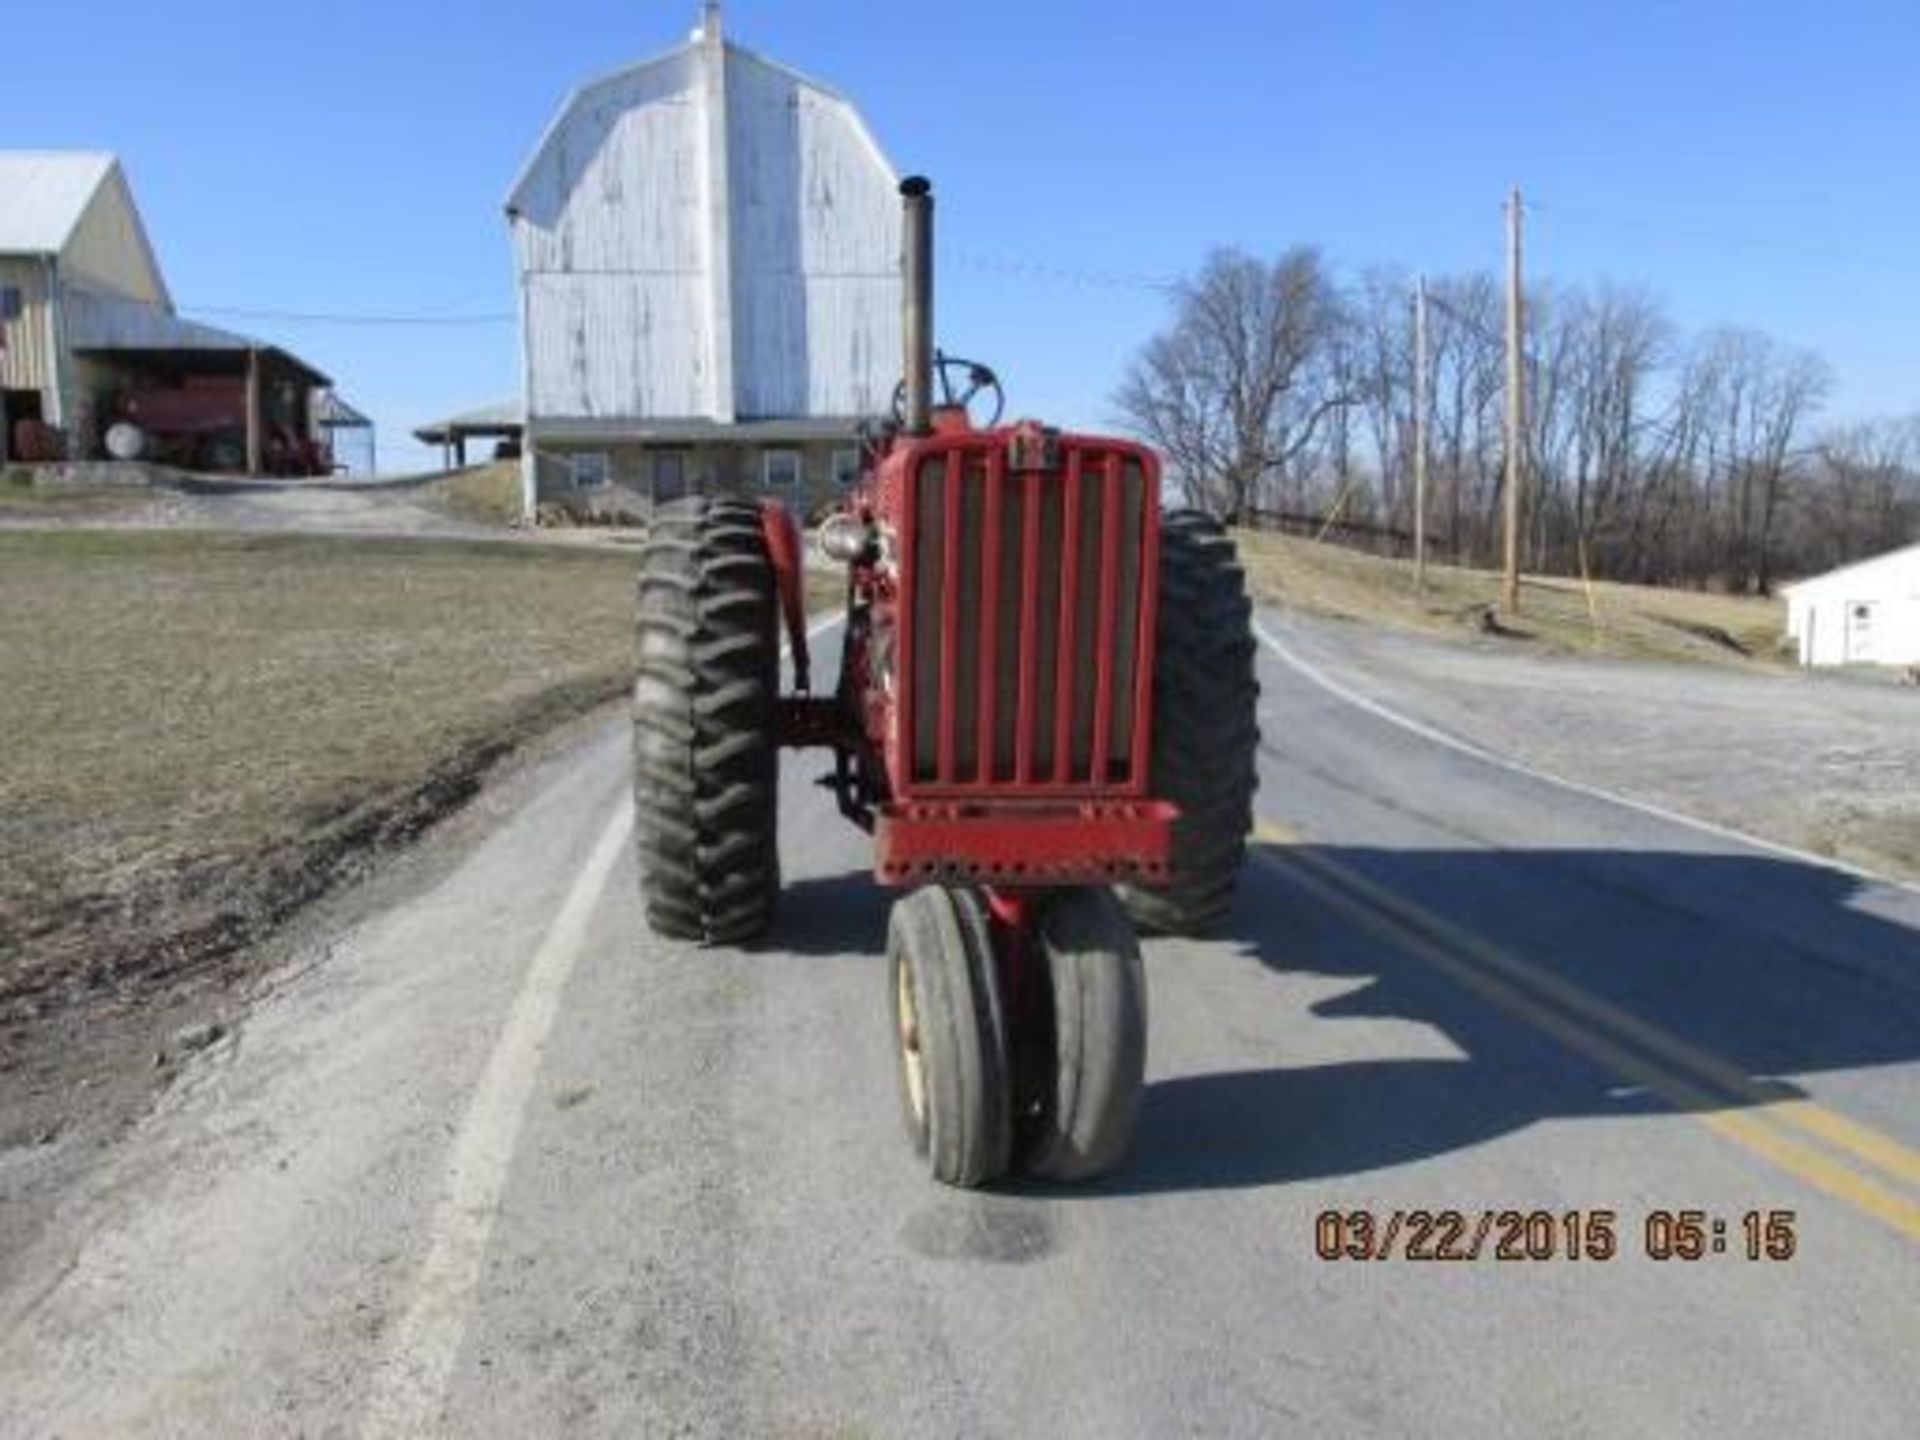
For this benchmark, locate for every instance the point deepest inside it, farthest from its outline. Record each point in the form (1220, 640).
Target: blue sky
(1750, 163)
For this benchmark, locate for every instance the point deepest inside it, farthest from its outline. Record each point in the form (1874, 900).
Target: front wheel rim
(913, 1064)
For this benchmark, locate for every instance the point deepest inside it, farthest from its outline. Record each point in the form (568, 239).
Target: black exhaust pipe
(916, 309)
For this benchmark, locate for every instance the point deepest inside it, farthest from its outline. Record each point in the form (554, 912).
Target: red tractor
(1044, 715)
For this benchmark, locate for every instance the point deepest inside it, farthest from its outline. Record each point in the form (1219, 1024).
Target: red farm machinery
(1044, 716)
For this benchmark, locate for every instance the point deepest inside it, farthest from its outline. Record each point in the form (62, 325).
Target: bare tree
(1468, 381)
(1236, 390)
(1649, 459)
(1758, 395)
(1862, 495)
(1618, 341)
(1380, 364)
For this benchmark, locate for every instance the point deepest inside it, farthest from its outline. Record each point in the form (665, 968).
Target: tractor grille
(1024, 642)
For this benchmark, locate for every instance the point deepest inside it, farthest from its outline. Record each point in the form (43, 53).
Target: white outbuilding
(1867, 613)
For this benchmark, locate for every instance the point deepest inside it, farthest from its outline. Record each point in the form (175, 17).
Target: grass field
(488, 494)
(1630, 621)
(201, 729)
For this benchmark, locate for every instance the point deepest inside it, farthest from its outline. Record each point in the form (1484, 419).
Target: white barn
(708, 248)
(1867, 613)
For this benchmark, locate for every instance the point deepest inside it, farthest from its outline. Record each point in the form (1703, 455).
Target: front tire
(705, 739)
(950, 1035)
(1206, 731)
(1092, 1067)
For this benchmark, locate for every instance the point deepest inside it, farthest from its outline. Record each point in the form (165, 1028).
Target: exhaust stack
(916, 273)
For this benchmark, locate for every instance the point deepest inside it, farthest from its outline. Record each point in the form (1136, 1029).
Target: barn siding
(108, 250)
(27, 361)
(615, 345)
(770, 351)
(613, 254)
(618, 185)
(816, 246)
(612, 232)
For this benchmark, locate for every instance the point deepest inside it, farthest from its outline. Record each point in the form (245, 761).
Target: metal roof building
(708, 250)
(85, 315)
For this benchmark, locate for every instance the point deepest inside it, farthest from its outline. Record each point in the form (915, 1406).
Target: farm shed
(498, 422)
(1867, 613)
(708, 249)
(89, 337)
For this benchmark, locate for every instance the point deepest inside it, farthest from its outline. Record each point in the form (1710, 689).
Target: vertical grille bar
(1006, 640)
(950, 614)
(1066, 684)
(990, 568)
(1029, 625)
(1134, 603)
(1104, 699)
(929, 581)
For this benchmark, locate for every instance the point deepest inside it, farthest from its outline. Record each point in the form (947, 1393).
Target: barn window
(12, 304)
(846, 466)
(780, 469)
(589, 469)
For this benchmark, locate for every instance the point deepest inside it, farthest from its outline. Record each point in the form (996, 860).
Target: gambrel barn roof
(548, 164)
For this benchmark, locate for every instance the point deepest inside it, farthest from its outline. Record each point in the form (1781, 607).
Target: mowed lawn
(199, 731)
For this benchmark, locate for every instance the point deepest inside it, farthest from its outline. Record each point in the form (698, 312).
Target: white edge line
(1593, 792)
(410, 1388)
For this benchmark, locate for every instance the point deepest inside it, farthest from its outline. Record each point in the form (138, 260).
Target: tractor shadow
(827, 916)
(1768, 965)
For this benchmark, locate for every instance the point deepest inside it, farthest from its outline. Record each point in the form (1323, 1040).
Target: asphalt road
(495, 1161)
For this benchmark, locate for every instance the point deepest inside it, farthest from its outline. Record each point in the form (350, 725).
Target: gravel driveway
(1822, 761)
(310, 510)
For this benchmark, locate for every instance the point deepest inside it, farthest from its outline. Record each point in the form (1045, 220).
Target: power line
(1036, 270)
(335, 317)
(1717, 236)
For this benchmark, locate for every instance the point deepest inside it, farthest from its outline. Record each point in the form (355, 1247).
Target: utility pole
(1421, 401)
(1516, 412)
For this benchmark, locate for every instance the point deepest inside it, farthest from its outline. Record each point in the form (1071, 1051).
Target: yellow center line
(1498, 977)
(1867, 1144)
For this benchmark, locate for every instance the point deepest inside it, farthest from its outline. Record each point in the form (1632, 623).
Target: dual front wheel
(1031, 1061)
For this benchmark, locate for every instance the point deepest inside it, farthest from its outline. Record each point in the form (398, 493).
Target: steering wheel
(975, 380)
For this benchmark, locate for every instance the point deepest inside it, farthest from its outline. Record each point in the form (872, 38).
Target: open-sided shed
(90, 340)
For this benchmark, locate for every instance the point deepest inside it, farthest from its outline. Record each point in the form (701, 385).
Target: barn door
(1860, 631)
(669, 475)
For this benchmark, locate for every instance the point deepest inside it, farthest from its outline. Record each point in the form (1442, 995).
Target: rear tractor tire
(1206, 732)
(705, 734)
(950, 1035)
(1084, 1065)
